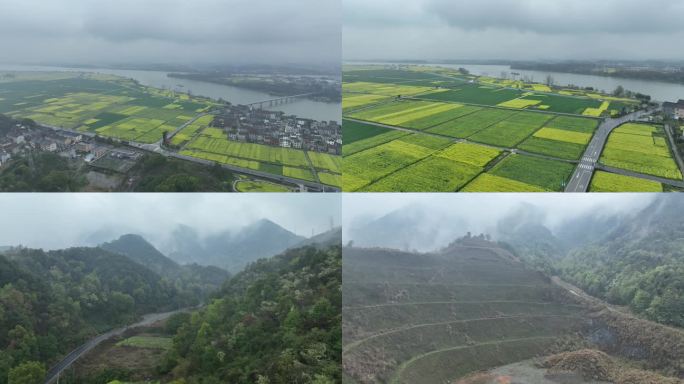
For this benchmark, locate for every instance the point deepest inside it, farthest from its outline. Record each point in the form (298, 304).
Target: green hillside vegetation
(278, 321)
(50, 302)
(635, 261)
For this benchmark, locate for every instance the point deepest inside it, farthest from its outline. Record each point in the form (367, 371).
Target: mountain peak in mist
(142, 252)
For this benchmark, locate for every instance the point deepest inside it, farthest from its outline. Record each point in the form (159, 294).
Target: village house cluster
(23, 138)
(252, 125)
(674, 110)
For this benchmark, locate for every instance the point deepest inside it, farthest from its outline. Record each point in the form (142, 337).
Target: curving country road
(582, 176)
(53, 374)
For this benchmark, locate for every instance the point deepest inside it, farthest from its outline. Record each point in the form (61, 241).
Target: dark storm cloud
(159, 30)
(513, 29)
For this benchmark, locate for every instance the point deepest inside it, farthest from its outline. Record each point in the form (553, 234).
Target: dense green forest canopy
(633, 260)
(278, 321)
(52, 301)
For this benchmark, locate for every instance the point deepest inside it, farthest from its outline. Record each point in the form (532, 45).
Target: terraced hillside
(433, 318)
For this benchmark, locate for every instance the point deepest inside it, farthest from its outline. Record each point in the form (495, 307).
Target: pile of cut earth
(656, 346)
(591, 364)
(596, 365)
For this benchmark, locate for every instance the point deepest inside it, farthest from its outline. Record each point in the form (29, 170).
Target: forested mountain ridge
(278, 321)
(144, 253)
(231, 250)
(640, 263)
(323, 240)
(635, 260)
(52, 301)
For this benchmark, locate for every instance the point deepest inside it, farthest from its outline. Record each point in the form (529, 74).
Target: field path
(52, 375)
(352, 345)
(397, 375)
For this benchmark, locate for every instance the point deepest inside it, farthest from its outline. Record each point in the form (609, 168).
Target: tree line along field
(436, 317)
(106, 105)
(641, 148)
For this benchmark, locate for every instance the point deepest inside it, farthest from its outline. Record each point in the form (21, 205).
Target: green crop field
(361, 145)
(352, 101)
(298, 173)
(426, 141)
(513, 130)
(533, 121)
(106, 105)
(576, 124)
(564, 104)
(249, 151)
(400, 113)
(353, 131)
(559, 149)
(444, 167)
(434, 174)
(475, 94)
(472, 154)
(385, 89)
(563, 135)
(259, 186)
(492, 183)
(453, 112)
(470, 124)
(326, 161)
(372, 164)
(640, 148)
(333, 179)
(550, 175)
(611, 182)
(153, 342)
(190, 130)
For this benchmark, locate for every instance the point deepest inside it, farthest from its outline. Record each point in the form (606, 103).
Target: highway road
(673, 144)
(582, 176)
(54, 372)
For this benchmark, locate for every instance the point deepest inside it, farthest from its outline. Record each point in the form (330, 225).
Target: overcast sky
(61, 220)
(481, 212)
(513, 29)
(176, 31)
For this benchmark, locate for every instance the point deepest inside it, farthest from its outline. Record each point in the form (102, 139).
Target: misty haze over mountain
(425, 223)
(163, 219)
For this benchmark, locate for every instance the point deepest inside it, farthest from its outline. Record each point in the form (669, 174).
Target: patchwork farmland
(435, 318)
(425, 129)
(116, 108)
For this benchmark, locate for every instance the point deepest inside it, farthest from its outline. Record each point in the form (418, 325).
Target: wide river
(659, 91)
(302, 107)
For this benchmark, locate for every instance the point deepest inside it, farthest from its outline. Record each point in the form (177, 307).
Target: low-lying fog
(430, 221)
